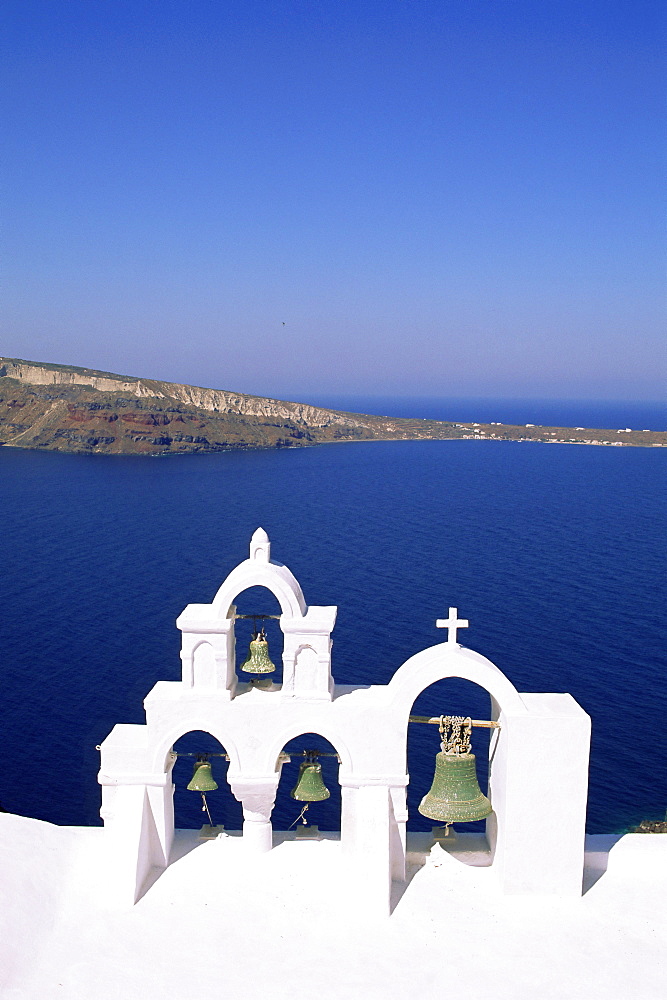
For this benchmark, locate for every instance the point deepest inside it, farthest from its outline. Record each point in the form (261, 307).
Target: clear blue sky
(461, 197)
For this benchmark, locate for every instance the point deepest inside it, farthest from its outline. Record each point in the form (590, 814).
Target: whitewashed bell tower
(538, 752)
(208, 651)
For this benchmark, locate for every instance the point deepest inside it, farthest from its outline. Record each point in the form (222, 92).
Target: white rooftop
(280, 926)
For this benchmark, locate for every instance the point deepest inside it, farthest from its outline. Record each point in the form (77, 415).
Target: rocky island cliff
(63, 408)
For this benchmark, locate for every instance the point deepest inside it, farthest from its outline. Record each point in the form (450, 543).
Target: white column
(161, 800)
(198, 623)
(366, 842)
(257, 796)
(132, 845)
(397, 834)
(538, 789)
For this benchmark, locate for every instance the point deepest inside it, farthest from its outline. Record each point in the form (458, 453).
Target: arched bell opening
(259, 601)
(308, 777)
(189, 812)
(452, 696)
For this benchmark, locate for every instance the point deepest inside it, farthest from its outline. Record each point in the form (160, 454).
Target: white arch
(252, 573)
(166, 742)
(441, 661)
(290, 732)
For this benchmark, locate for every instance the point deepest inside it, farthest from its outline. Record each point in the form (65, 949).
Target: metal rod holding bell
(284, 757)
(435, 720)
(276, 617)
(200, 755)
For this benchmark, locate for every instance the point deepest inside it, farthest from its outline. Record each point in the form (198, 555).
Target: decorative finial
(452, 624)
(260, 546)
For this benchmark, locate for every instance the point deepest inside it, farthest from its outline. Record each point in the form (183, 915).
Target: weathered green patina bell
(258, 661)
(455, 795)
(202, 777)
(310, 785)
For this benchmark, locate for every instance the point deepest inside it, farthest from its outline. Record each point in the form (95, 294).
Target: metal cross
(452, 624)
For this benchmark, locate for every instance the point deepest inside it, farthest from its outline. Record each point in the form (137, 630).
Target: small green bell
(310, 785)
(202, 777)
(258, 661)
(455, 795)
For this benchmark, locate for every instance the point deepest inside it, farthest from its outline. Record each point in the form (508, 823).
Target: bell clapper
(444, 834)
(301, 817)
(209, 831)
(307, 831)
(205, 808)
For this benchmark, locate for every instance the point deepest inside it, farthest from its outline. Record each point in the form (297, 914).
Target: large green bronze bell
(310, 785)
(202, 777)
(455, 795)
(258, 661)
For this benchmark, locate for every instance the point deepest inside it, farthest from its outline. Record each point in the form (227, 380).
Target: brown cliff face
(211, 400)
(62, 408)
(68, 409)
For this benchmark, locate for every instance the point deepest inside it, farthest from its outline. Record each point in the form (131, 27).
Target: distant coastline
(514, 411)
(54, 407)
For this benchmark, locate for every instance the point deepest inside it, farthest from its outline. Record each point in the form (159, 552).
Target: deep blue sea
(554, 553)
